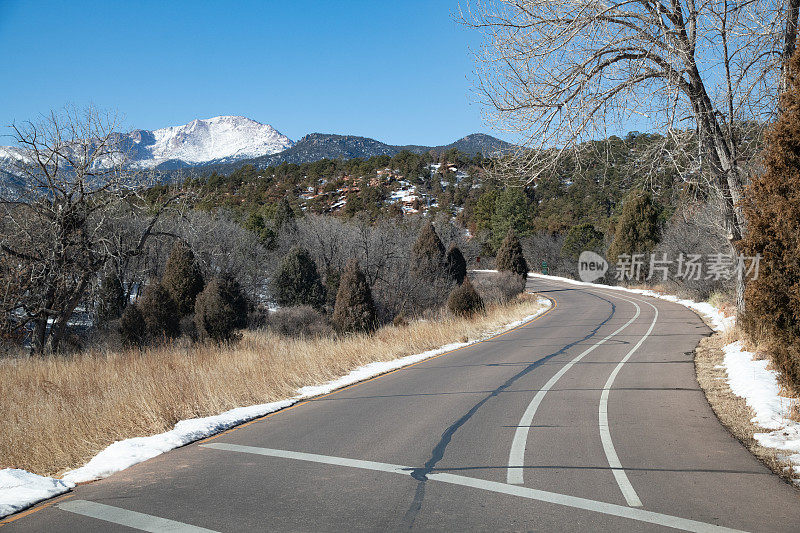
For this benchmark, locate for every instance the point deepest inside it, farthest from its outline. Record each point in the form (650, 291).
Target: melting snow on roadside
(20, 489)
(750, 379)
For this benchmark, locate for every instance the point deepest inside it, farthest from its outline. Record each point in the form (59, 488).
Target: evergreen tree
(637, 228)
(132, 327)
(182, 278)
(511, 212)
(510, 257)
(255, 222)
(455, 264)
(355, 309)
(111, 298)
(284, 215)
(427, 254)
(297, 281)
(160, 312)
(221, 309)
(581, 238)
(464, 300)
(772, 210)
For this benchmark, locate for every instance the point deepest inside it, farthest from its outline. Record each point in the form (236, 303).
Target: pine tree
(427, 254)
(464, 300)
(354, 310)
(511, 213)
(510, 257)
(297, 281)
(772, 209)
(221, 309)
(160, 313)
(637, 229)
(284, 215)
(132, 327)
(182, 278)
(581, 238)
(111, 298)
(456, 265)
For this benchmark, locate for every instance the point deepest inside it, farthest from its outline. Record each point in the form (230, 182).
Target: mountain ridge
(226, 142)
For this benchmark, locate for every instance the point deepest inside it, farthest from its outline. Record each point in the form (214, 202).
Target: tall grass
(56, 413)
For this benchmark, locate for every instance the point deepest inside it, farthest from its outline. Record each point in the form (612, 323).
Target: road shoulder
(732, 410)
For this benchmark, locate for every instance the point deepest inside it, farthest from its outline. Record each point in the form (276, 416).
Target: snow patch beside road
(750, 379)
(20, 489)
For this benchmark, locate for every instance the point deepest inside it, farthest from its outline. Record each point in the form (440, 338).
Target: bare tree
(57, 216)
(706, 74)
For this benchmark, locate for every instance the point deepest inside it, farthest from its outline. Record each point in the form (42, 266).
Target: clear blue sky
(396, 71)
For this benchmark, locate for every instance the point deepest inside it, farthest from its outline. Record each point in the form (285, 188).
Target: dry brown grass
(56, 413)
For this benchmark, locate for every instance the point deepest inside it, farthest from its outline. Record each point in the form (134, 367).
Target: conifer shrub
(772, 209)
(297, 281)
(427, 254)
(182, 278)
(160, 313)
(110, 299)
(132, 327)
(354, 310)
(464, 300)
(637, 230)
(510, 257)
(455, 264)
(221, 310)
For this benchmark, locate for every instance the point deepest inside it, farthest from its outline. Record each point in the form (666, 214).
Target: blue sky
(395, 71)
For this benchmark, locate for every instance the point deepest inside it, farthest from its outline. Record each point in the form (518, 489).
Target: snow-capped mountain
(223, 138)
(219, 139)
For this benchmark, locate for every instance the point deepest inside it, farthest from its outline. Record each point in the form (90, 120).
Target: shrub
(297, 281)
(354, 310)
(182, 278)
(160, 313)
(302, 321)
(427, 254)
(510, 257)
(220, 309)
(455, 264)
(132, 327)
(500, 288)
(110, 299)
(772, 209)
(464, 300)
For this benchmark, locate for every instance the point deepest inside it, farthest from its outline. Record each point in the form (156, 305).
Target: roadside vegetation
(58, 412)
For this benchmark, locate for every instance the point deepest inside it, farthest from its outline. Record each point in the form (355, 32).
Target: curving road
(589, 418)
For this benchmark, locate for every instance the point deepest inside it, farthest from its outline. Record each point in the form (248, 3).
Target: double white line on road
(566, 500)
(516, 456)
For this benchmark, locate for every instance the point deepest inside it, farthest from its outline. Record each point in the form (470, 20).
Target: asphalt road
(587, 419)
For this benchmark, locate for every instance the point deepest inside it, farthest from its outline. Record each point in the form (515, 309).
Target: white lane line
(516, 456)
(117, 515)
(565, 500)
(605, 433)
(313, 457)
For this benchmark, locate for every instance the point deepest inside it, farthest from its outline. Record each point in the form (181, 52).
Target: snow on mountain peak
(204, 140)
(223, 138)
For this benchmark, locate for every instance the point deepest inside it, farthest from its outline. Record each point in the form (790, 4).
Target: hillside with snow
(219, 140)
